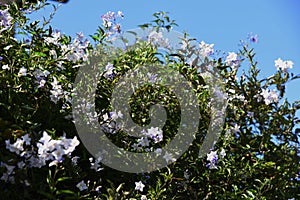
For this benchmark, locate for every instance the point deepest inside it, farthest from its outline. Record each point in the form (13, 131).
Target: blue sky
(223, 23)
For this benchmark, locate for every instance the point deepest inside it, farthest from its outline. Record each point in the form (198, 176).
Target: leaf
(119, 187)
(250, 194)
(48, 195)
(65, 192)
(63, 179)
(38, 54)
(295, 77)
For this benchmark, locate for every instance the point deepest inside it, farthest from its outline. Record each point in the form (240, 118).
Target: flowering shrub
(256, 156)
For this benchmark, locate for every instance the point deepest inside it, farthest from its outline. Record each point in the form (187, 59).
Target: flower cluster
(206, 50)
(8, 175)
(41, 77)
(17, 147)
(77, 50)
(169, 157)
(5, 20)
(213, 157)
(48, 149)
(57, 92)
(73, 52)
(22, 72)
(232, 59)
(109, 68)
(110, 22)
(54, 150)
(152, 77)
(109, 124)
(283, 65)
(156, 38)
(96, 165)
(156, 134)
(153, 133)
(270, 96)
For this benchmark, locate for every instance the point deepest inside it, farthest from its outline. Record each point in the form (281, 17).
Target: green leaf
(63, 179)
(65, 192)
(48, 195)
(38, 54)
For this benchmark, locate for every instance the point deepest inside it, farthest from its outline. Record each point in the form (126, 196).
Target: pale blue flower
(5, 20)
(139, 186)
(212, 157)
(253, 38)
(169, 157)
(81, 186)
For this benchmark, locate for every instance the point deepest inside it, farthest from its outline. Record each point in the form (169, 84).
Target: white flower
(81, 186)
(58, 153)
(54, 38)
(269, 96)
(184, 44)
(212, 155)
(8, 175)
(21, 165)
(152, 77)
(70, 144)
(105, 117)
(42, 83)
(54, 150)
(143, 197)
(46, 138)
(144, 142)
(169, 157)
(57, 92)
(17, 147)
(54, 162)
(222, 153)
(236, 128)
(186, 175)
(219, 95)
(206, 49)
(22, 72)
(53, 53)
(26, 139)
(5, 67)
(80, 36)
(75, 160)
(95, 165)
(155, 134)
(40, 74)
(120, 14)
(8, 47)
(109, 68)
(158, 151)
(283, 65)
(232, 59)
(156, 38)
(116, 115)
(139, 186)
(5, 19)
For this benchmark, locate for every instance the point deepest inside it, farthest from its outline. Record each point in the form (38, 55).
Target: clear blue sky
(223, 23)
